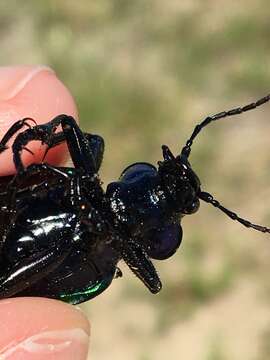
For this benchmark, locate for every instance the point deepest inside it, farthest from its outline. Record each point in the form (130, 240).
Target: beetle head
(181, 184)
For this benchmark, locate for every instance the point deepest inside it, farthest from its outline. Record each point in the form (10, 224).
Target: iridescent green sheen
(86, 293)
(70, 172)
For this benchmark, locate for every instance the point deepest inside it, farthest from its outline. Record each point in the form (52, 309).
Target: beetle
(62, 235)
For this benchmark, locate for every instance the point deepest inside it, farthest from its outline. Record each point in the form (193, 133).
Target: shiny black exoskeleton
(62, 235)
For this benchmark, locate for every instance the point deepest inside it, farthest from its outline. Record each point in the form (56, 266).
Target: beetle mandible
(62, 235)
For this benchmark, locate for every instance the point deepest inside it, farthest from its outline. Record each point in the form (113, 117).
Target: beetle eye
(192, 208)
(164, 242)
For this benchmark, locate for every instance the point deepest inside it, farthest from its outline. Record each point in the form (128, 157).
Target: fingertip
(39, 328)
(36, 92)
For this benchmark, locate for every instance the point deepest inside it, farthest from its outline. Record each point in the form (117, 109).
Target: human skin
(37, 328)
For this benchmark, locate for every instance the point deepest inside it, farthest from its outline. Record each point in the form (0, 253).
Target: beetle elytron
(62, 235)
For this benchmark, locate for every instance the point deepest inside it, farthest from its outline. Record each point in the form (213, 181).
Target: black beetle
(62, 236)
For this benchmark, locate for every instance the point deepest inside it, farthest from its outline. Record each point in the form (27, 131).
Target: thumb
(36, 92)
(37, 329)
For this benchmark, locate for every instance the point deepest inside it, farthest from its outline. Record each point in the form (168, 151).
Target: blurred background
(144, 73)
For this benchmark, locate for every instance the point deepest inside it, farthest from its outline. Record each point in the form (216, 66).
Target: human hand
(37, 328)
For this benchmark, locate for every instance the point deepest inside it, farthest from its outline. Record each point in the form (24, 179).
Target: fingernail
(65, 344)
(35, 328)
(32, 91)
(15, 78)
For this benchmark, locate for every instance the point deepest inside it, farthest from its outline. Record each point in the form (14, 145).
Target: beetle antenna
(209, 199)
(187, 148)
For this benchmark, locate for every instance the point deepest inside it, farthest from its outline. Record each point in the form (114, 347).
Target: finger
(36, 328)
(36, 92)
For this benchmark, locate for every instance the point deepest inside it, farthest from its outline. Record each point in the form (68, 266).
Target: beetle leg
(30, 270)
(17, 126)
(43, 132)
(140, 264)
(118, 273)
(96, 144)
(35, 169)
(22, 176)
(78, 145)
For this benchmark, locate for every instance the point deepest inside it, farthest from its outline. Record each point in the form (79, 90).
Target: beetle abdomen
(34, 231)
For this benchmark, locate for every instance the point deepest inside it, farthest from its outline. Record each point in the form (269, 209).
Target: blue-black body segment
(135, 200)
(140, 203)
(164, 241)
